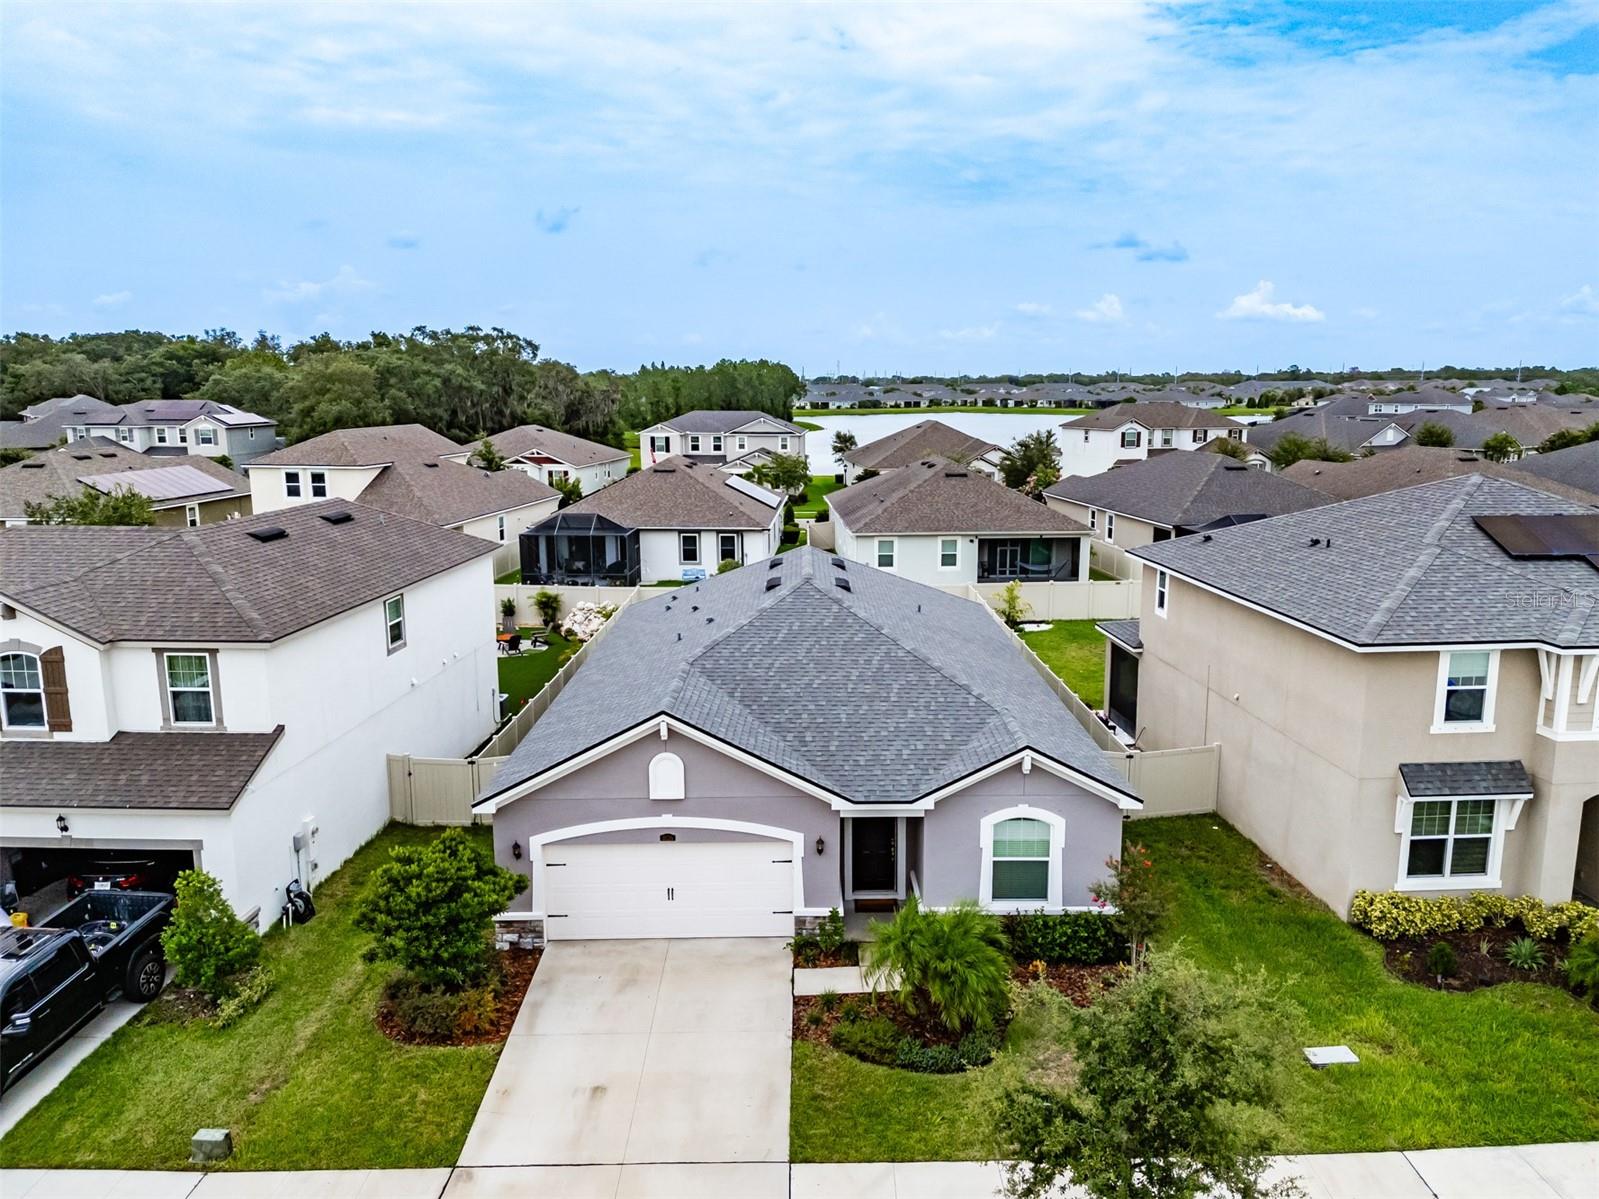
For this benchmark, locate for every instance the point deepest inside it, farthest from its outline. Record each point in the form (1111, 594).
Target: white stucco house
(229, 693)
(202, 427)
(549, 456)
(734, 439)
(1131, 432)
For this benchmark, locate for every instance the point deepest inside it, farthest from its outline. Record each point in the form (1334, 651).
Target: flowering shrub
(1391, 915)
(585, 619)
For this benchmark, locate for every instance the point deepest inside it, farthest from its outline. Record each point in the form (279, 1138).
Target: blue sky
(938, 188)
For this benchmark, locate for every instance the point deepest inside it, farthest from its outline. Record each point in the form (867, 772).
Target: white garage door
(669, 889)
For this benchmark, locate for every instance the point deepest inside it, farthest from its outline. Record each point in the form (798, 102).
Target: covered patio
(580, 549)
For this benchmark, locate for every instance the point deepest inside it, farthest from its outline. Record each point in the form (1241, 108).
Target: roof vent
(431, 465)
(338, 518)
(107, 454)
(1205, 537)
(33, 466)
(663, 470)
(271, 533)
(82, 457)
(1315, 541)
(773, 584)
(954, 474)
(839, 562)
(1235, 466)
(710, 620)
(774, 564)
(843, 584)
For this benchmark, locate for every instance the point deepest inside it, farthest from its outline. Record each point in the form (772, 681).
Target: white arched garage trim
(666, 823)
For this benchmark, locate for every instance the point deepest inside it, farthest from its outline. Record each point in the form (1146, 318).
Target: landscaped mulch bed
(518, 966)
(1080, 984)
(849, 954)
(926, 1027)
(1408, 959)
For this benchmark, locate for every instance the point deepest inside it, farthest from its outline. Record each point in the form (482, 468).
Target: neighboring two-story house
(733, 439)
(942, 524)
(550, 456)
(916, 443)
(230, 693)
(676, 519)
(1130, 432)
(411, 471)
(1171, 495)
(47, 423)
(202, 427)
(188, 491)
(1405, 688)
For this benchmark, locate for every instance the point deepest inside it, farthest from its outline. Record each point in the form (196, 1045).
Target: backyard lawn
(816, 492)
(522, 675)
(1506, 1065)
(630, 444)
(306, 1081)
(1074, 650)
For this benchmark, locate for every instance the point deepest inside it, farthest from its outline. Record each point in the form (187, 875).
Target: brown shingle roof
(1153, 416)
(940, 497)
(1188, 489)
(190, 771)
(1410, 465)
(574, 451)
(217, 583)
(924, 439)
(677, 493)
(448, 493)
(58, 472)
(371, 446)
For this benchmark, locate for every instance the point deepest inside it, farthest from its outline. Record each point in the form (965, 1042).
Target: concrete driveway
(631, 1052)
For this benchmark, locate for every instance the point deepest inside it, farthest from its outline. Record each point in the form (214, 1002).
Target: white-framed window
(556, 473)
(1165, 438)
(1162, 591)
(688, 549)
(1021, 859)
(1466, 685)
(1235, 434)
(660, 445)
(1110, 526)
(252, 432)
(1199, 436)
(949, 553)
(21, 692)
(693, 443)
(727, 547)
(191, 515)
(1131, 439)
(319, 484)
(394, 621)
(125, 435)
(161, 434)
(716, 443)
(1451, 843)
(885, 553)
(499, 527)
(291, 484)
(183, 436)
(666, 776)
(205, 435)
(741, 443)
(1085, 436)
(189, 697)
(782, 444)
(1093, 518)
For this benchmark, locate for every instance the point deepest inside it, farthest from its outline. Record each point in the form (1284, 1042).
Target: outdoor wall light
(516, 850)
(61, 825)
(820, 845)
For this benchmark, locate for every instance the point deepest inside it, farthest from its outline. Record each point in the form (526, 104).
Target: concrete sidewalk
(1567, 1171)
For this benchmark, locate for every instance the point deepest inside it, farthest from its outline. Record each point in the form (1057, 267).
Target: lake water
(1001, 428)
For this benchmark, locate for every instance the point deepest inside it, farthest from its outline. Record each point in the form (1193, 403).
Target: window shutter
(53, 666)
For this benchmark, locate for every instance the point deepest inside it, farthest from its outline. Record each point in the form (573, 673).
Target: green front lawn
(1074, 650)
(306, 1081)
(523, 675)
(1507, 1065)
(816, 493)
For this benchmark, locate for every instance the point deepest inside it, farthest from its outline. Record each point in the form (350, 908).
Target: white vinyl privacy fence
(1087, 599)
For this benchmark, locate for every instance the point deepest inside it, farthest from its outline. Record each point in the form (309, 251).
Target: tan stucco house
(1405, 687)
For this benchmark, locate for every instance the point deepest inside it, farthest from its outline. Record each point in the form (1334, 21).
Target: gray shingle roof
(1575, 466)
(1407, 567)
(574, 451)
(723, 420)
(170, 412)
(371, 446)
(442, 492)
(47, 422)
(677, 493)
(924, 439)
(1343, 432)
(922, 688)
(1427, 779)
(1153, 416)
(1125, 631)
(189, 771)
(61, 471)
(217, 583)
(1187, 489)
(939, 497)
(1408, 465)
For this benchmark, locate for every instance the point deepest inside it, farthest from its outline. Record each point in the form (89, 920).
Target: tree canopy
(121, 506)
(1435, 434)
(1295, 447)
(1032, 462)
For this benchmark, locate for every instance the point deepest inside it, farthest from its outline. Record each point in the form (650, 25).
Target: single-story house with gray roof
(675, 788)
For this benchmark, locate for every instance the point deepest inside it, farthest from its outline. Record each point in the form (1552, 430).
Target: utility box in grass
(211, 1145)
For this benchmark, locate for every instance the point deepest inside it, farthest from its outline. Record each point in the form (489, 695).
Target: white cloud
(346, 282)
(1582, 302)
(1028, 308)
(1108, 309)
(1259, 305)
(111, 299)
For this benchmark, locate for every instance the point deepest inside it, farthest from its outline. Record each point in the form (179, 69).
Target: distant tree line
(1584, 379)
(461, 383)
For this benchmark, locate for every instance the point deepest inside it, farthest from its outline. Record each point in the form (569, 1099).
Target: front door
(874, 866)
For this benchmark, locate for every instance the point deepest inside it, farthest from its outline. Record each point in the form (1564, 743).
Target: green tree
(951, 963)
(1228, 447)
(487, 457)
(571, 490)
(1030, 457)
(251, 382)
(206, 942)
(1566, 438)
(786, 474)
(843, 442)
(1296, 447)
(1501, 447)
(1179, 1077)
(1435, 434)
(1137, 897)
(431, 907)
(120, 506)
(1010, 605)
(331, 391)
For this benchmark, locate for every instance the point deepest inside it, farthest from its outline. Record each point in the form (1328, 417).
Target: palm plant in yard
(952, 963)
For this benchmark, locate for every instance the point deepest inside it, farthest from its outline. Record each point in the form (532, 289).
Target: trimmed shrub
(1441, 961)
(951, 962)
(830, 933)
(428, 1013)
(1076, 938)
(206, 942)
(928, 1059)
(872, 1040)
(250, 988)
(1582, 966)
(1392, 915)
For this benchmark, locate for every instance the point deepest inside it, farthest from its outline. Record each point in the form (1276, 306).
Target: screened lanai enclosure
(580, 550)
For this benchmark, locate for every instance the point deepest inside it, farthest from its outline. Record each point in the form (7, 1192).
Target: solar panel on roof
(1569, 536)
(743, 486)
